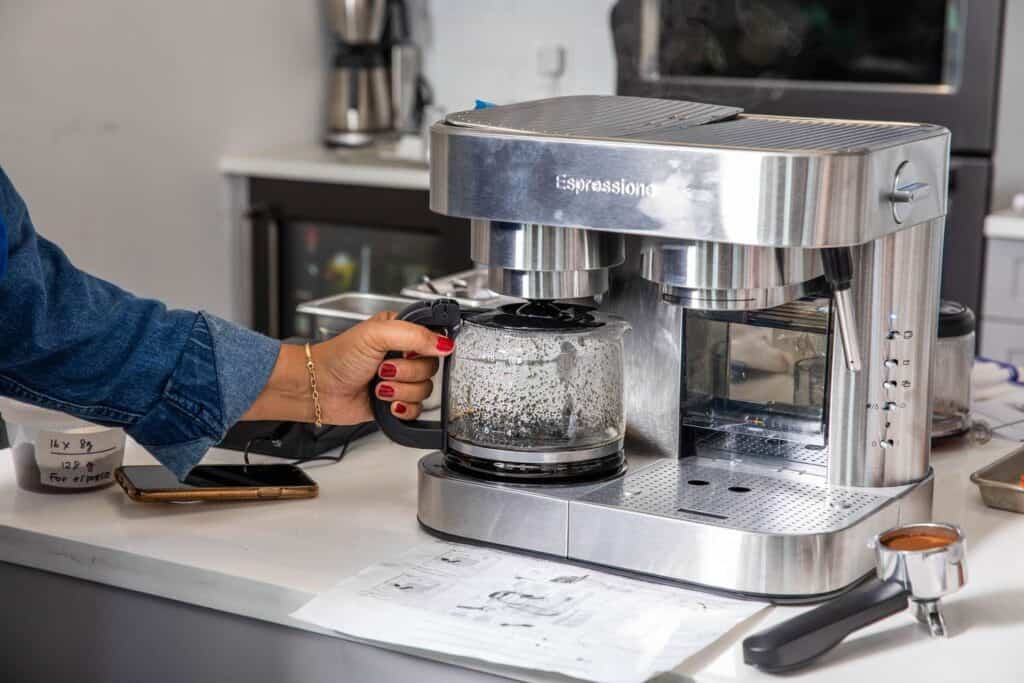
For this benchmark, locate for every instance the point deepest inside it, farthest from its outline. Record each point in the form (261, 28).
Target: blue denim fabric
(174, 380)
(3, 244)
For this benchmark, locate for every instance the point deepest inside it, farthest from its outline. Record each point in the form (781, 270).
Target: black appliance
(312, 240)
(933, 61)
(292, 440)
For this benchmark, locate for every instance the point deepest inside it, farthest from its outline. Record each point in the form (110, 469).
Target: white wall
(113, 114)
(487, 49)
(1008, 161)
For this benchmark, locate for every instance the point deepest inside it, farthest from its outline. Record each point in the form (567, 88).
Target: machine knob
(907, 188)
(911, 192)
(886, 443)
(890, 363)
(889, 384)
(893, 334)
(889, 405)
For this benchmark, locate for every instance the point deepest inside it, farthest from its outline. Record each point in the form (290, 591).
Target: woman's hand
(344, 367)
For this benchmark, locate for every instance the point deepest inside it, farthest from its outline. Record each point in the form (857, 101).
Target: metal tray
(468, 287)
(335, 314)
(999, 482)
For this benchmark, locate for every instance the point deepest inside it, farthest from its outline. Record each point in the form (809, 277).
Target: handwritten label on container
(79, 458)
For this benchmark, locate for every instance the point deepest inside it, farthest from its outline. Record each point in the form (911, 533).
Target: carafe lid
(548, 316)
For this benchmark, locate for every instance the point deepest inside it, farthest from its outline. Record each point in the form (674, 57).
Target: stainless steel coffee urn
(375, 87)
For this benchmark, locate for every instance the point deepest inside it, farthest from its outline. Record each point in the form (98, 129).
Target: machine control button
(889, 405)
(893, 334)
(890, 363)
(886, 443)
(889, 384)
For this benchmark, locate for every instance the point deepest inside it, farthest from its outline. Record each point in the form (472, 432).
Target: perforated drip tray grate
(760, 447)
(737, 499)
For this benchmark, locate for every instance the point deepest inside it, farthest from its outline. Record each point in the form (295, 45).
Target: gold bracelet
(317, 413)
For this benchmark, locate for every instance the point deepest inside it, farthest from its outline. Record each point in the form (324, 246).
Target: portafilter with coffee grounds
(919, 564)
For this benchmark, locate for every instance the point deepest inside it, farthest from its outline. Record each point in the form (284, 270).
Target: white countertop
(265, 559)
(374, 166)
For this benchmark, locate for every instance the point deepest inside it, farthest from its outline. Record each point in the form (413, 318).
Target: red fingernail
(384, 391)
(444, 344)
(412, 354)
(400, 408)
(388, 370)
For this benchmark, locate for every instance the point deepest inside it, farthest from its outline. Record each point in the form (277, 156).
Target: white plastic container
(57, 453)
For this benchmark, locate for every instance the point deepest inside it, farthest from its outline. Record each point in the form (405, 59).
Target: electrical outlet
(551, 60)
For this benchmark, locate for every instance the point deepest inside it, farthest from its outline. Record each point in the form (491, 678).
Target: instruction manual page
(525, 612)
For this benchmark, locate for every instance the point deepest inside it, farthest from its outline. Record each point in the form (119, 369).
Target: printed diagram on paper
(525, 612)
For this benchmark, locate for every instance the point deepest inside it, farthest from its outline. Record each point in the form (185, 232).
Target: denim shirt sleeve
(174, 380)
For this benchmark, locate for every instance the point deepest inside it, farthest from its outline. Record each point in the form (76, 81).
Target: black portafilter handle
(796, 642)
(440, 315)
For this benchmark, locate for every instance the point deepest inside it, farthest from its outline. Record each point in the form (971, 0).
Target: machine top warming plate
(678, 122)
(594, 116)
(688, 170)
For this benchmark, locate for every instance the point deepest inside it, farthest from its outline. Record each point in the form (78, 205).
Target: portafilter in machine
(780, 275)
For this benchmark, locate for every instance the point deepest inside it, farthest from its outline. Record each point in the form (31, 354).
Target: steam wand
(838, 266)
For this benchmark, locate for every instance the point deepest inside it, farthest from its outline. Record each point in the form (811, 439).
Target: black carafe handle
(798, 641)
(441, 315)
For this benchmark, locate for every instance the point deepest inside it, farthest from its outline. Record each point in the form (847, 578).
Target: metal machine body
(877, 432)
(789, 538)
(778, 404)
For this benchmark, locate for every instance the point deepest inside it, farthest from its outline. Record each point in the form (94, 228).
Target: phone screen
(157, 478)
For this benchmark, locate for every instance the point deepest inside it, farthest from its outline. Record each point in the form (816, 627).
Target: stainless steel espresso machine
(781, 279)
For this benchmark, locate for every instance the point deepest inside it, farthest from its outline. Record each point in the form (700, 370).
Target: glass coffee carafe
(534, 391)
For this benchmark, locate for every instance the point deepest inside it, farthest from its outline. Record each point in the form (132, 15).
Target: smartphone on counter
(156, 484)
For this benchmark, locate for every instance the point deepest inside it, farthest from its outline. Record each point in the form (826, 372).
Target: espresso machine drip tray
(713, 493)
(724, 444)
(742, 528)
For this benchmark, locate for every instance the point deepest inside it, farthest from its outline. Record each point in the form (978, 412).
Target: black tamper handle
(838, 266)
(440, 315)
(798, 641)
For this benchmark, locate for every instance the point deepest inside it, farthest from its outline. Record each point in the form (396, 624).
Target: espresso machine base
(747, 529)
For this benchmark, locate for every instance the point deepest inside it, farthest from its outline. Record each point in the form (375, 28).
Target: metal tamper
(918, 564)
